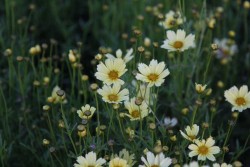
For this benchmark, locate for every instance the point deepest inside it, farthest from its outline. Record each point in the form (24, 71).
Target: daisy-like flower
(136, 112)
(204, 149)
(194, 164)
(178, 41)
(111, 71)
(118, 54)
(54, 98)
(239, 98)
(172, 19)
(200, 88)
(192, 132)
(222, 165)
(170, 122)
(156, 161)
(124, 154)
(226, 48)
(113, 94)
(154, 74)
(86, 112)
(90, 160)
(118, 162)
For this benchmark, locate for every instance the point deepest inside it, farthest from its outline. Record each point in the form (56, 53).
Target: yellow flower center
(113, 97)
(192, 137)
(154, 165)
(203, 150)
(91, 166)
(153, 77)
(135, 114)
(240, 101)
(178, 44)
(113, 75)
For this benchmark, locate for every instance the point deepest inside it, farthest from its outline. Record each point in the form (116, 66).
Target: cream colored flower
(156, 161)
(111, 71)
(89, 160)
(192, 132)
(124, 154)
(204, 149)
(200, 88)
(113, 94)
(172, 19)
(178, 41)
(154, 74)
(118, 162)
(239, 98)
(86, 112)
(136, 112)
(119, 55)
(55, 98)
(222, 165)
(226, 48)
(72, 57)
(194, 164)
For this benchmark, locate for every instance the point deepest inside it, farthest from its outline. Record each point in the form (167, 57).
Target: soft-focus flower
(178, 41)
(154, 74)
(156, 161)
(194, 164)
(170, 122)
(192, 132)
(124, 154)
(55, 98)
(118, 162)
(239, 98)
(200, 88)
(136, 112)
(72, 57)
(222, 165)
(113, 94)
(111, 71)
(172, 19)
(204, 149)
(90, 159)
(86, 112)
(119, 55)
(226, 48)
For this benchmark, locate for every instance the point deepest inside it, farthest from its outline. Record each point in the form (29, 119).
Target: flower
(226, 48)
(113, 94)
(170, 122)
(222, 165)
(156, 161)
(72, 57)
(154, 74)
(136, 112)
(89, 160)
(86, 112)
(55, 98)
(194, 164)
(118, 53)
(178, 41)
(192, 132)
(200, 88)
(239, 98)
(205, 149)
(111, 71)
(172, 19)
(124, 154)
(118, 162)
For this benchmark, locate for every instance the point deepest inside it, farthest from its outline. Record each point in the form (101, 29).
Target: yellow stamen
(178, 44)
(240, 101)
(113, 75)
(203, 150)
(135, 114)
(113, 97)
(153, 77)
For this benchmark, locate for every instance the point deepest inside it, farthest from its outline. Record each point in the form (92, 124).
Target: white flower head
(90, 159)
(194, 164)
(154, 74)
(226, 48)
(222, 165)
(129, 55)
(56, 98)
(178, 41)
(172, 19)
(124, 154)
(113, 94)
(200, 88)
(170, 122)
(111, 71)
(192, 132)
(136, 112)
(118, 162)
(204, 149)
(239, 98)
(86, 112)
(156, 161)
